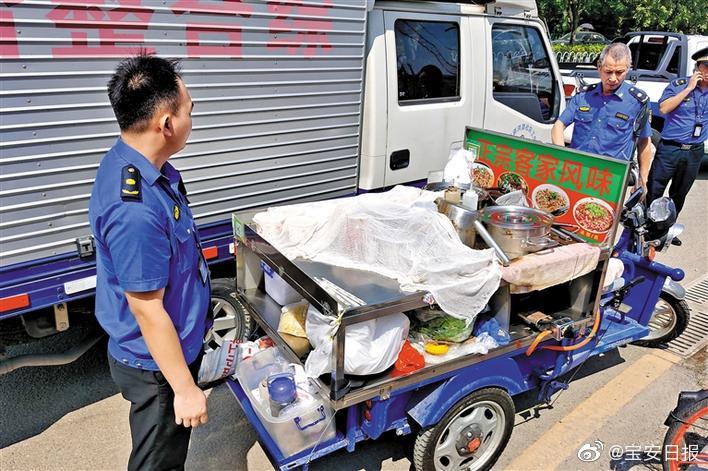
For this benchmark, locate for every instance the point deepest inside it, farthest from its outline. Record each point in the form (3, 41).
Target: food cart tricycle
(461, 409)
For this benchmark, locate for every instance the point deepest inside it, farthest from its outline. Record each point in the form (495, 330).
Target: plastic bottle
(470, 199)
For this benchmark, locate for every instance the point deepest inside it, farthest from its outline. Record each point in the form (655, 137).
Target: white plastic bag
(514, 198)
(458, 166)
(480, 346)
(222, 361)
(370, 346)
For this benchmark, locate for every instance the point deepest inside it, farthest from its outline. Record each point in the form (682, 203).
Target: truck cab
(432, 68)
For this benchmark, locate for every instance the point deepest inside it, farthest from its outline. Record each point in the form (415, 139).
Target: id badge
(697, 129)
(203, 270)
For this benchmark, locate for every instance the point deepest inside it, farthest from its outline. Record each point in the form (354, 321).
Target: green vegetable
(446, 328)
(595, 210)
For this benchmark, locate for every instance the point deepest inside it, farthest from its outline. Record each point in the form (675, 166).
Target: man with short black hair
(610, 116)
(152, 287)
(678, 157)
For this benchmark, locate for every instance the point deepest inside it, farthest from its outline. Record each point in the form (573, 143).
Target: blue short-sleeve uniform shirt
(144, 242)
(681, 122)
(604, 124)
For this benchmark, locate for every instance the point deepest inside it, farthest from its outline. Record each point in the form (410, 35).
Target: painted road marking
(591, 414)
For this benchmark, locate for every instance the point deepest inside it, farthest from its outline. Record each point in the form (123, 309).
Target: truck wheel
(668, 321)
(471, 436)
(231, 319)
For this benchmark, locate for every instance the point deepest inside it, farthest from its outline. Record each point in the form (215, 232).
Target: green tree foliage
(685, 16)
(614, 19)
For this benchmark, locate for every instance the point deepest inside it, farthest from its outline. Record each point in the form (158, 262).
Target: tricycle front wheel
(471, 436)
(669, 320)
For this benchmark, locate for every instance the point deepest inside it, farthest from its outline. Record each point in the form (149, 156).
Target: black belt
(667, 142)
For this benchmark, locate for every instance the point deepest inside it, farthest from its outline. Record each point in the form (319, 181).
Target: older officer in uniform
(608, 116)
(678, 157)
(152, 287)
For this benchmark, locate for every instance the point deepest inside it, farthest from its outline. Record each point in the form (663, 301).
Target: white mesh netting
(398, 234)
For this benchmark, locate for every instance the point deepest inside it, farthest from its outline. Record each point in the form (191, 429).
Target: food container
(519, 230)
(462, 220)
(303, 423)
(276, 287)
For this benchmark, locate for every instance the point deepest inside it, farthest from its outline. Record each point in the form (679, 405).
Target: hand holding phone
(694, 80)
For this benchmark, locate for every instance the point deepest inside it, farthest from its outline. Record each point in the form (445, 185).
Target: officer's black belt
(667, 142)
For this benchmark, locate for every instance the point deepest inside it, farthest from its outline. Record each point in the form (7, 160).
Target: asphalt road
(72, 417)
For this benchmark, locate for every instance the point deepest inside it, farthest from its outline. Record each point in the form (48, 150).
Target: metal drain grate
(695, 336)
(698, 292)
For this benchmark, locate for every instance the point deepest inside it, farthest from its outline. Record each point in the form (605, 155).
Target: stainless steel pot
(462, 220)
(519, 230)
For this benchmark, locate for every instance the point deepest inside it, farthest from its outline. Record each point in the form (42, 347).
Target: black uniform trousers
(678, 164)
(158, 442)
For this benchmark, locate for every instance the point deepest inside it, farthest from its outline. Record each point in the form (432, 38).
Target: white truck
(294, 101)
(658, 58)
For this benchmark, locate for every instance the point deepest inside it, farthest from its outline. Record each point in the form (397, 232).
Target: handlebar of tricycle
(675, 274)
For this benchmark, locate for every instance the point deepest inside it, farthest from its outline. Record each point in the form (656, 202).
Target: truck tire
(668, 321)
(231, 319)
(486, 418)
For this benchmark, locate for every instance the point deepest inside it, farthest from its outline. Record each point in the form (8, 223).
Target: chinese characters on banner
(118, 28)
(583, 190)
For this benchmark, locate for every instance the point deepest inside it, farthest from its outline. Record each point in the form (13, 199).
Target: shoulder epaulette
(130, 184)
(589, 88)
(639, 95)
(679, 82)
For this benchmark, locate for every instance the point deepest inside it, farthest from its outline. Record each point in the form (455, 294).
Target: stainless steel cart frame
(382, 296)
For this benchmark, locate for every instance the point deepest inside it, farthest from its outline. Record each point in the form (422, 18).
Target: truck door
(525, 88)
(429, 97)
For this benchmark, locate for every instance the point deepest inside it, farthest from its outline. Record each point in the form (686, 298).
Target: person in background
(684, 104)
(610, 116)
(152, 286)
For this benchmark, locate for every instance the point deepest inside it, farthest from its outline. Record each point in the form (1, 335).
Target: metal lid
(516, 217)
(439, 186)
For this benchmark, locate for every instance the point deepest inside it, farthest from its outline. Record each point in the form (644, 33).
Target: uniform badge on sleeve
(130, 184)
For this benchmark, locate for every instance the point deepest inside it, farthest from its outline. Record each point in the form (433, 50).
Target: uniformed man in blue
(610, 116)
(684, 105)
(152, 287)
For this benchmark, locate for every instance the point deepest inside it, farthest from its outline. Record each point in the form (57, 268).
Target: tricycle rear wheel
(471, 436)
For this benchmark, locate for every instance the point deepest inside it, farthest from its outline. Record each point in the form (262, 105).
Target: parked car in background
(583, 37)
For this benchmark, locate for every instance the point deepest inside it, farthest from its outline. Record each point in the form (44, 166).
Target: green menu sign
(585, 190)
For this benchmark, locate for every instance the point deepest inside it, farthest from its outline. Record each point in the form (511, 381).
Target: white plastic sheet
(398, 234)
